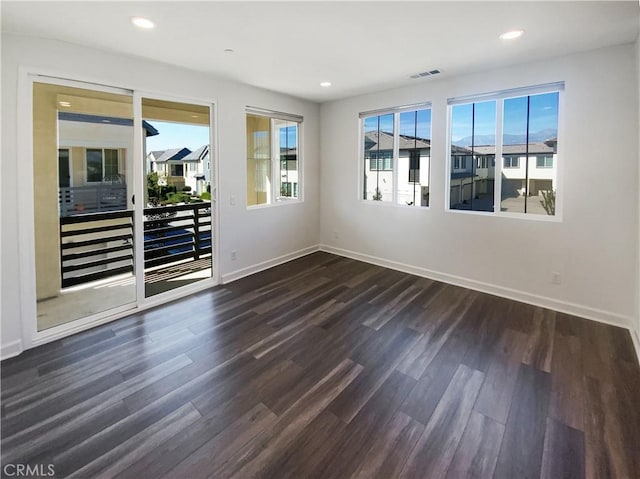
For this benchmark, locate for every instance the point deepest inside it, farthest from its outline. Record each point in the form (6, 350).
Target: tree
(156, 192)
(378, 195)
(548, 201)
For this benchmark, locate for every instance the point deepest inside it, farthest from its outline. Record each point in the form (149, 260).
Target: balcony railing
(176, 233)
(96, 198)
(95, 246)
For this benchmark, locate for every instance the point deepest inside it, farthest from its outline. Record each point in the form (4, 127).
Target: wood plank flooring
(326, 367)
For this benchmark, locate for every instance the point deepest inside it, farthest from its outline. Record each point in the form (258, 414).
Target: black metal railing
(176, 233)
(95, 246)
(100, 197)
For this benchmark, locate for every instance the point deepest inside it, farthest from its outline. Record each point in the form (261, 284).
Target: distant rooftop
(174, 154)
(384, 141)
(198, 155)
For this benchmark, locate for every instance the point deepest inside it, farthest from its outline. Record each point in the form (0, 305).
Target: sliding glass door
(83, 210)
(177, 216)
(91, 258)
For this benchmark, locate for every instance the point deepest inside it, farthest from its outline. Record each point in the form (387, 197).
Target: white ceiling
(360, 47)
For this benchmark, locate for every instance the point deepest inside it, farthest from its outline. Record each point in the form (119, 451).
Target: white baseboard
(587, 312)
(10, 350)
(256, 268)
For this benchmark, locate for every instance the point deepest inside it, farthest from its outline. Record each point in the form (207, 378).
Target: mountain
(537, 136)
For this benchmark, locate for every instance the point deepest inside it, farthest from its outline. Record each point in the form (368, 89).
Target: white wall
(637, 318)
(593, 248)
(257, 235)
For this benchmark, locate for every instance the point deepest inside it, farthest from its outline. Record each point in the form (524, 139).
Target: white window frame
(274, 198)
(545, 161)
(511, 158)
(395, 158)
(499, 98)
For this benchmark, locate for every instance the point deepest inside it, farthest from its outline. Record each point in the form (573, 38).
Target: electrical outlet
(555, 278)
(335, 235)
(234, 255)
(232, 200)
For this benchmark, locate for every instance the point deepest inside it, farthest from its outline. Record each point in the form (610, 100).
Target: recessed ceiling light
(228, 50)
(65, 104)
(325, 84)
(511, 34)
(142, 22)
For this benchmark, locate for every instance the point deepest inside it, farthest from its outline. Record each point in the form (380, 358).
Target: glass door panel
(83, 209)
(178, 243)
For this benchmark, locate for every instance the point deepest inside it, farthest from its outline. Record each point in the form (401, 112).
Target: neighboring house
(413, 167)
(473, 172)
(182, 167)
(288, 158)
(95, 156)
(169, 164)
(197, 169)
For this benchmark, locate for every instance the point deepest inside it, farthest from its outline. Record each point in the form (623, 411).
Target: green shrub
(205, 195)
(186, 189)
(174, 198)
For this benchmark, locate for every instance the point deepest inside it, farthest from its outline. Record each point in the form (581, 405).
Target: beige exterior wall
(45, 188)
(77, 165)
(46, 101)
(258, 159)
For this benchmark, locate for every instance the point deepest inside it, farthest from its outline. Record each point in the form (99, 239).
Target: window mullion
(497, 181)
(395, 156)
(274, 163)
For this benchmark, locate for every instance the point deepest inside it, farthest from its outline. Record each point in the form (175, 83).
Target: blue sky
(289, 137)
(407, 123)
(177, 135)
(543, 114)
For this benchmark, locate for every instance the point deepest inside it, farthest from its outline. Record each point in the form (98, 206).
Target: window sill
(503, 214)
(275, 205)
(388, 204)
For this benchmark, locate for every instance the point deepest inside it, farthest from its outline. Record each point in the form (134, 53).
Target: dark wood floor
(327, 367)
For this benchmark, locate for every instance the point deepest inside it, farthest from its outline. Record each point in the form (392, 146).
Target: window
(289, 189)
(273, 169)
(472, 177)
(460, 162)
(176, 170)
(381, 162)
(481, 162)
(287, 152)
(396, 151)
(511, 162)
(544, 162)
(102, 165)
(528, 132)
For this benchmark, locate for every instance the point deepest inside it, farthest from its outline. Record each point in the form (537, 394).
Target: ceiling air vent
(425, 74)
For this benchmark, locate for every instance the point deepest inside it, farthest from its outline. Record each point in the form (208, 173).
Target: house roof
(101, 119)
(535, 148)
(198, 155)
(384, 141)
(174, 154)
(289, 151)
